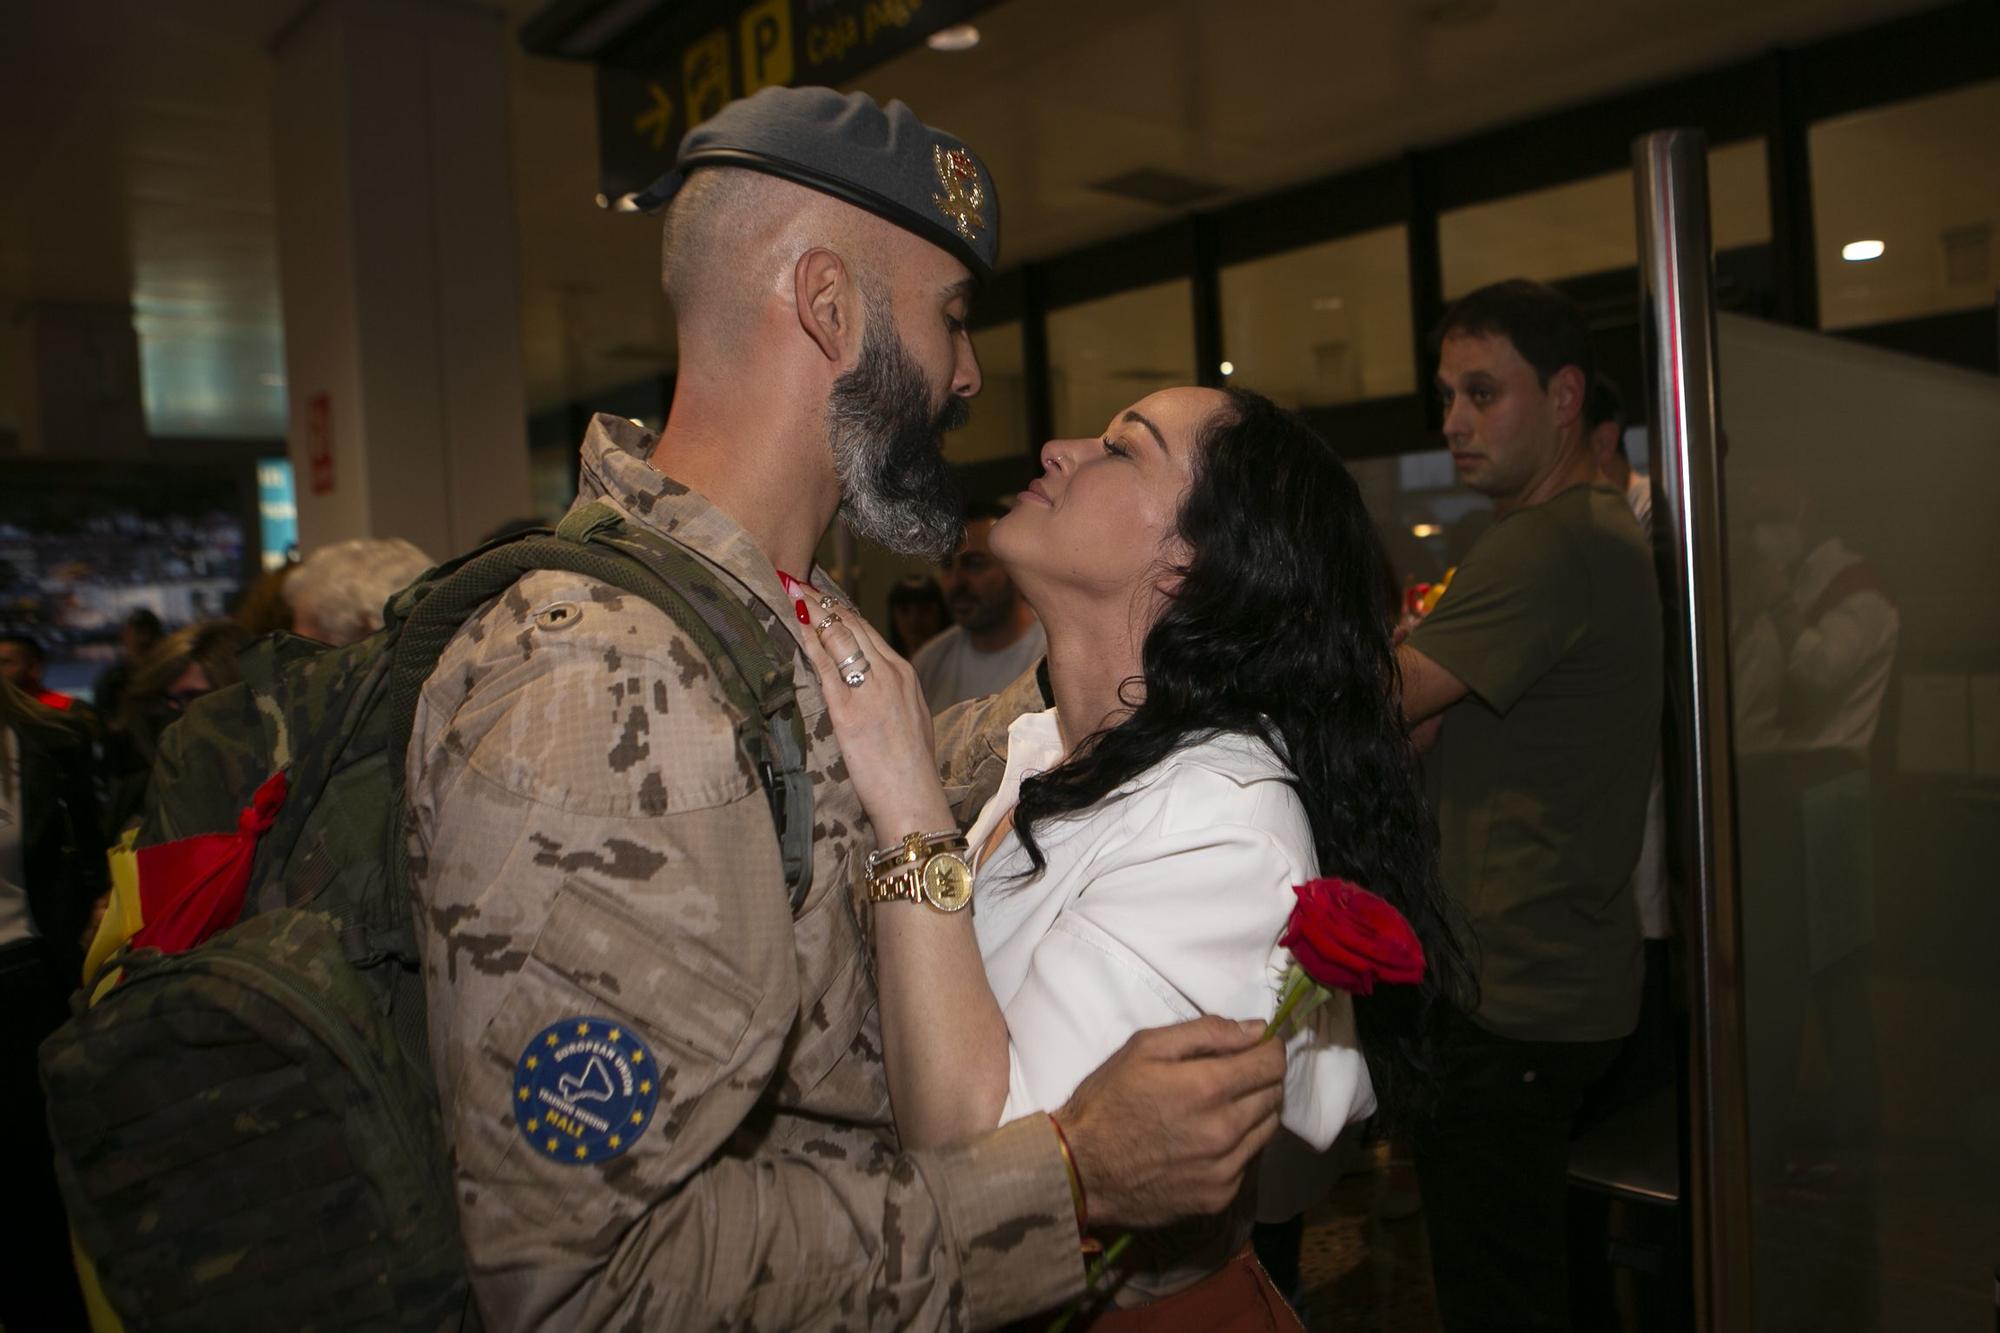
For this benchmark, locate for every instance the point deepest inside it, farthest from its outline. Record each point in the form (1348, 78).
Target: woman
(1226, 725)
(181, 668)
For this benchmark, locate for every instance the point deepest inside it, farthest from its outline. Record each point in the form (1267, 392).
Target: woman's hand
(882, 723)
(947, 1081)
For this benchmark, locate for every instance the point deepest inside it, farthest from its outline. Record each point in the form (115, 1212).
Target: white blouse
(1162, 903)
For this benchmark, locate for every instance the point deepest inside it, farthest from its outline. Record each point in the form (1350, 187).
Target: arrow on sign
(658, 118)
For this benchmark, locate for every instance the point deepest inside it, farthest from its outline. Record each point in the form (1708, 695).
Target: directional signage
(724, 51)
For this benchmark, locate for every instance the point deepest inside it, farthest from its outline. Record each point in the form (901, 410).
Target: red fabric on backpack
(193, 887)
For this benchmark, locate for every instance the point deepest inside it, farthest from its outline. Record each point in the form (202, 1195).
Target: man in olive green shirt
(1543, 661)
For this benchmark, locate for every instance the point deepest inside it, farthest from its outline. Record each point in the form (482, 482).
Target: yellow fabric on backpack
(120, 920)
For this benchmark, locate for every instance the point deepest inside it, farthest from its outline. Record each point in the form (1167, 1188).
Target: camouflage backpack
(246, 1134)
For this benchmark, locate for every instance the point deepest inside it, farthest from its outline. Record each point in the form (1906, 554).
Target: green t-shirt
(1553, 623)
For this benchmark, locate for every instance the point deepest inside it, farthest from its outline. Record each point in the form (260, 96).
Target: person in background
(1544, 660)
(1813, 658)
(23, 661)
(995, 636)
(181, 668)
(339, 591)
(917, 613)
(52, 872)
(1647, 1058)
(136, 637)
(1604, 411)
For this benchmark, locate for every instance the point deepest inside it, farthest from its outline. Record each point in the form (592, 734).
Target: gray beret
(882, 159)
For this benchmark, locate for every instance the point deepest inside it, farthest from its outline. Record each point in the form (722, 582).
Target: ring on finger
(853, 658)
(832, 618)
(856, 677)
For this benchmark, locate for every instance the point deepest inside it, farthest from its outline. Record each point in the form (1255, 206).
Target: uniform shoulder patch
(584, 1090)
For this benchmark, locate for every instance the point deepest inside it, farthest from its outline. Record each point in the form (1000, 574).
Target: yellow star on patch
(581, 1152)
(645, 1085)
(638, 1057)
(534, 1125)
(583, 1029)
(534, 1060)
(522, 1095)
(552, 1145)
(616, 1034)
(636, 1117)
(617, 1142)
(552, 1039)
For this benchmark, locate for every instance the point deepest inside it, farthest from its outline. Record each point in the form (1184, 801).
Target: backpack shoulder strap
(596, 541)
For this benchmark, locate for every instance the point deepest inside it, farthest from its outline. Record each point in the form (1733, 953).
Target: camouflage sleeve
(614, 992)
(971, 742)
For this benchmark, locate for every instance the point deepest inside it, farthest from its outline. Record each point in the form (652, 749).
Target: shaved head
(732, 236)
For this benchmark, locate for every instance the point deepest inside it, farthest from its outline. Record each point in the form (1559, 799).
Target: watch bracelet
(914, 849)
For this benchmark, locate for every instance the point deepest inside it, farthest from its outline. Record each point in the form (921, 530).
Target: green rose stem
(1299, 997)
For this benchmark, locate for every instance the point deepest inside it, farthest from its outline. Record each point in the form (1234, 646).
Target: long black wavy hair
(1278, 629)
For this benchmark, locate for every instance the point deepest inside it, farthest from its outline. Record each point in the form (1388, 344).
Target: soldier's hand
(1165, 1128)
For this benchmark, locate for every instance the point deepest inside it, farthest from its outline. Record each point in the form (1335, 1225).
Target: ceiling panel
(136, 138)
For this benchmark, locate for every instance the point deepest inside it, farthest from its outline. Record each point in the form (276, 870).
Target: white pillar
(399, 273)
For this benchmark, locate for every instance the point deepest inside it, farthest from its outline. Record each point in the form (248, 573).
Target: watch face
(947, 882)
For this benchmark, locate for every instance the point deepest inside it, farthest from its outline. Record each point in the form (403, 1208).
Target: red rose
(1348, 939)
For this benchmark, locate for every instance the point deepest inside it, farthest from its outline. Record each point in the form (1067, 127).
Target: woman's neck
(1094, 670)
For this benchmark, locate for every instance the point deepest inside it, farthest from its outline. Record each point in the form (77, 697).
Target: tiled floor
(1365, 1270)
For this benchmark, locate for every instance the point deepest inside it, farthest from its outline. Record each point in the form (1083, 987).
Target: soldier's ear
(828, 302)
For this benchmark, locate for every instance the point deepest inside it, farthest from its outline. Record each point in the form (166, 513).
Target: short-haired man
(994, 636)
(590, 849)
(1544, 658)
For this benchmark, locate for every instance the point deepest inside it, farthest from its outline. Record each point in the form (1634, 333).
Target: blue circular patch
(584, 1090)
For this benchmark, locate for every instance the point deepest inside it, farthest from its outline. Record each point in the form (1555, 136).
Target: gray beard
(887, 443)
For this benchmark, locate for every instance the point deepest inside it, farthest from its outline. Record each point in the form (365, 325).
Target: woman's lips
(1036, 493)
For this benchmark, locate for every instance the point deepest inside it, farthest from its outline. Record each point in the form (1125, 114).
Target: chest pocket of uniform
(673, 1019)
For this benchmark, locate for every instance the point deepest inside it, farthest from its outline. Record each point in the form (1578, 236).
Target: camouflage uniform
(588, 844)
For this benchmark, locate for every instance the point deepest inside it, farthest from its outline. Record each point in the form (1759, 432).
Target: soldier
(600, 899)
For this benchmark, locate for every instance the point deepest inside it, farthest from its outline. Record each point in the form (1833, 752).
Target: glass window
(1906, 201)
(1589, 226)
(1324, 325)
(1107, 354)
(1866, 695)
(998, 426)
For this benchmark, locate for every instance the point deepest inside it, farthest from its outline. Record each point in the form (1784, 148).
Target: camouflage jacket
(662, 1088)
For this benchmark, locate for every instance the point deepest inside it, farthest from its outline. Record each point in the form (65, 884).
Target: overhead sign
(744, 47)
(319, 443)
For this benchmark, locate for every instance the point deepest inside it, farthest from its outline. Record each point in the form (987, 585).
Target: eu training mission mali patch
(584, 1090)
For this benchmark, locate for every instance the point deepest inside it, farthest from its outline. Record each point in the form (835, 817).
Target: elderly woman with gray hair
(337, 595)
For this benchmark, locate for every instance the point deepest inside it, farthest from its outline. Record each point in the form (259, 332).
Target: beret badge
(963, 194)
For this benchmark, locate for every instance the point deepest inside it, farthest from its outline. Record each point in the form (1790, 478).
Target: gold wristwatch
(922, 868)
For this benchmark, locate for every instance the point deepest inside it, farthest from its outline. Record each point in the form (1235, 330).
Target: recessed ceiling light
(1229, 368)
(1426, 530)
(958, 37)
(1857, 252)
